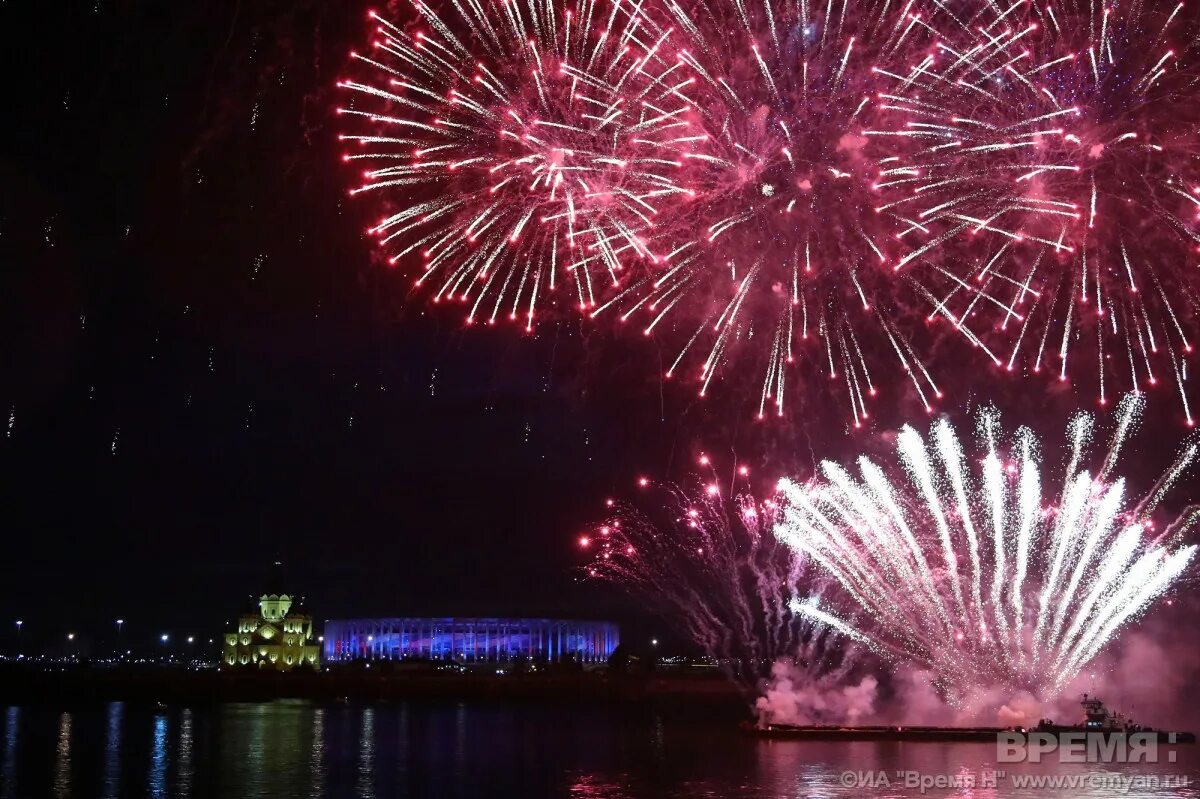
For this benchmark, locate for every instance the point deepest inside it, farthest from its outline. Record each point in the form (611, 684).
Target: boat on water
(821, 732)
(1097, 719)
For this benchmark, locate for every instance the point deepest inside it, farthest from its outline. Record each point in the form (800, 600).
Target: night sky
(205, 370)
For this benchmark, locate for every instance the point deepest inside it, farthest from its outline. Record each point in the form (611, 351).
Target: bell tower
(274, 606)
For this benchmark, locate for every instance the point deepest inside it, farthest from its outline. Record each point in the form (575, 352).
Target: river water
(469, 750)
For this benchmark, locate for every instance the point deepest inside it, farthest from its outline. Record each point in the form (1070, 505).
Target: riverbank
(21, 685)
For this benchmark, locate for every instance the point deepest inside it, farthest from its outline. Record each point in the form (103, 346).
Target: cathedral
(272, 638)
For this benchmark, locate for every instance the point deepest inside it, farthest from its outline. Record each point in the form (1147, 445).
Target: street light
(164, 638)
(20, 624)
(191, 639)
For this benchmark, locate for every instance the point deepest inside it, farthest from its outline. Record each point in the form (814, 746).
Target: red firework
(779, 192)
(786, 272)
(709, 562)
(1056, 194)
(670, 167)
(515, 147)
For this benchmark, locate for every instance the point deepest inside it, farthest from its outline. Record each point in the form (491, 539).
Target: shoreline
(178, 684)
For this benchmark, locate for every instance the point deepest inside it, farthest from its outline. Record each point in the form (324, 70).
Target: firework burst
(785, 273)
(515, 147)
(712, 566)
(698, 171)
(781, 193)
(1056, 191)
(970, 563)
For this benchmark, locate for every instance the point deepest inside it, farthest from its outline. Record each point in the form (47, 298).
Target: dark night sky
(204, 371)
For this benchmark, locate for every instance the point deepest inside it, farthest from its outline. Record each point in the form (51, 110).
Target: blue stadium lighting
(470, 639)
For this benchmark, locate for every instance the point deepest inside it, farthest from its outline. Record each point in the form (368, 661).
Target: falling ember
(1030, 578)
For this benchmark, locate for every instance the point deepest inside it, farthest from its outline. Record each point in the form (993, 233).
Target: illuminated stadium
(470, 639)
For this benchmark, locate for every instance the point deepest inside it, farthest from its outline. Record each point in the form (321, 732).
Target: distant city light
(164, 638)
(70, 636)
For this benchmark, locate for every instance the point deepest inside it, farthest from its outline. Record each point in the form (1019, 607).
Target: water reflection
(112, 751)
(183, 774)
(460, 749)
(256, 755)
(265, 749)
(62, 757)
(590, 786)
(158, 758)
(8, 780)
(898, 769)
(366, 754)
(316, 766)
(283, 750)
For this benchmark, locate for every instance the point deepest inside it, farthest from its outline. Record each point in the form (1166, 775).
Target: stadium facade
(470, 640)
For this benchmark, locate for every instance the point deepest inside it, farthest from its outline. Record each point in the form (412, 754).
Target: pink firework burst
(1056, 194)
(699, 170)
(515, 147)
(705, 557)
(785, 273)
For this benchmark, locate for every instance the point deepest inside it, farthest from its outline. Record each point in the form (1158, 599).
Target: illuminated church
(272, 638)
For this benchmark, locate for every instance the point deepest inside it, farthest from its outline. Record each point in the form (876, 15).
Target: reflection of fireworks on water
(982, 574)
(1059, 176)
(515, 145)
(713, 567)
(784, 273)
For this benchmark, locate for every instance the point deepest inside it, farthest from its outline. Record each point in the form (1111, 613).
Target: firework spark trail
(713, 567)
(1063, 133)
(780, 191)
(1028, 613)
(513, 145)
(788, 220)
(668, 163)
